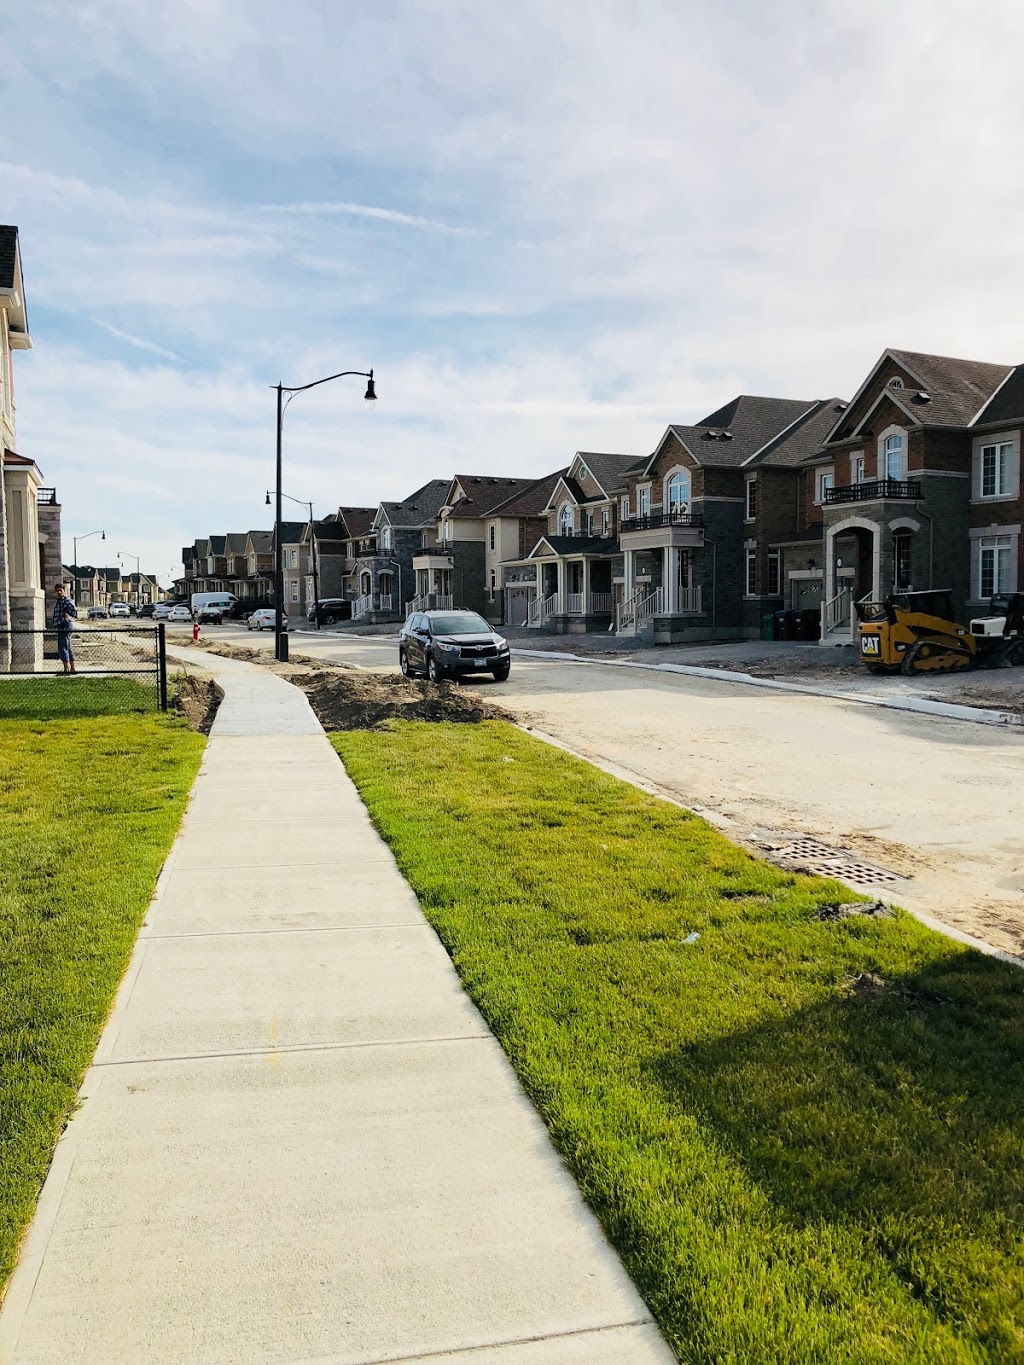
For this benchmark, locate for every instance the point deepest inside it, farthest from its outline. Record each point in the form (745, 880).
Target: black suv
(330, 609)
(444, 643)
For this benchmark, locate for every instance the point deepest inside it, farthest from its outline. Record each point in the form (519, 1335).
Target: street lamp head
(267, 503)
(371, 393)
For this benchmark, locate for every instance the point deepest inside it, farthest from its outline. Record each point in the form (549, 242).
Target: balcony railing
(46, 497)
(654, 521)
(872, 489)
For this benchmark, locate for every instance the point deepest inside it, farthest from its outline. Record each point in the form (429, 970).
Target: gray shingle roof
(485, 492)
(957, 389)
(731, 434)
(357, 521)
(582, 545)
(532, 500)
(262, 541)
(609, 469)
(419, 508)
(217, 545)
(804, 440)
(1008, 404)
(291, 531)
(234, 542)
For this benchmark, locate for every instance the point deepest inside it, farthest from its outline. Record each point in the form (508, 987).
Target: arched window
(896, 382)
(893, 462)
(677, 491)
(565, 520)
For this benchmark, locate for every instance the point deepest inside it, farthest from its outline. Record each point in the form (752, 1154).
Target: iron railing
(124, 667)
(872, 489)
(46, 497)
(654, 521)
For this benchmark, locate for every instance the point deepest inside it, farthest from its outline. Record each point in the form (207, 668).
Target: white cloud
(138, 342)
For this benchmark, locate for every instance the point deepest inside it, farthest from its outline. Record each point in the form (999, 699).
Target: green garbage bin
(768, 627)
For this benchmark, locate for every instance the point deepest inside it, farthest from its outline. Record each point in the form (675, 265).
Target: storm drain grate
(811, 855)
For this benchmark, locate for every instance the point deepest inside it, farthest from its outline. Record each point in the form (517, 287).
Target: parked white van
(212, 601)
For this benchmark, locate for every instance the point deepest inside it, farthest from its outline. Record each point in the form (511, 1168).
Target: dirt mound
(364, 701)
(197, 700)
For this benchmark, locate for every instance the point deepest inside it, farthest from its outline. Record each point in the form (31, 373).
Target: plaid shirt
(64, 612)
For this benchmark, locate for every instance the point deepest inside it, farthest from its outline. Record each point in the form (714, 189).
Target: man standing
(64, 613)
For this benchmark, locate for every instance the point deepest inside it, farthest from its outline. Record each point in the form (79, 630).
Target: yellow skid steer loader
(917, 632)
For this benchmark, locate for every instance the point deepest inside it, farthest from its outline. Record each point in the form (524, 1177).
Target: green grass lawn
(796, 1163)
(52, 696)
(88, 810)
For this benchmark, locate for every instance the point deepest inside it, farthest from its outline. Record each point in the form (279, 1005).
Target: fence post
(161, 664)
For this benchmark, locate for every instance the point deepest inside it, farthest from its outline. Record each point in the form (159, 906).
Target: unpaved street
(941, 802)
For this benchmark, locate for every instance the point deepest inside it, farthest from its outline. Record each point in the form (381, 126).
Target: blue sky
(546, 228)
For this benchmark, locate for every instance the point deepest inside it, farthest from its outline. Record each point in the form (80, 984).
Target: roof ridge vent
(726, 436)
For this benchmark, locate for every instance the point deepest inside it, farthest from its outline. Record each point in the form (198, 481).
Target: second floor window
(565, 520)
(624, 509)
(823, 482)
(606, 520)
(856, 468)
(677, 491)
(491, 536)
(384, 538)
(995, 470)
(893, 461)
(751, 504)
(643, 501)
(445, 530)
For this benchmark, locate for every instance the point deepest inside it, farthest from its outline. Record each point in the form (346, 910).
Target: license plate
(479, 663)
(870, 644)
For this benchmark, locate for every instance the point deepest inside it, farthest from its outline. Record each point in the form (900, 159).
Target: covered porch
(663, 589)
(435, 576)
(574, 591)
(866, 560)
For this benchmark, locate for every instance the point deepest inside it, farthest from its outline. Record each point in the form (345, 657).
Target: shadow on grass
(896, 1112)
(62, 697)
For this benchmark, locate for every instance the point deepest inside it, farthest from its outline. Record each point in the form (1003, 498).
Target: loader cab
(914, 632)
(934, 603)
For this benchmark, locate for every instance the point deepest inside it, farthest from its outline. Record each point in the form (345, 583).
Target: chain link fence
(92, 669)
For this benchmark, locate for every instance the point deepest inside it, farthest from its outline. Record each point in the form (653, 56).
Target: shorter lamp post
(127, 554)
(312, 551)
(76, 539)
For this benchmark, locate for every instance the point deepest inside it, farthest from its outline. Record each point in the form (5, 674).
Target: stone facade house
(918, 485)
(383, 570)
(30, 553)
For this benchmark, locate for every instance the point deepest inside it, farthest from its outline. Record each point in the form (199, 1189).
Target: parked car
(241, 610)
(121, 610)
(161, 611)
(209, 616)
(179, 613)
(444, 644)
(263, 619)
(97, 614)
(146, 610)
(330, 610)
(203, 601)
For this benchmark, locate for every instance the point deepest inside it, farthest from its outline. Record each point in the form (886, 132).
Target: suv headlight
(446, 649)
(502, 644)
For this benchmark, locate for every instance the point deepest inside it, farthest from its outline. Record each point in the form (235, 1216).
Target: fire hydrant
(195, 630)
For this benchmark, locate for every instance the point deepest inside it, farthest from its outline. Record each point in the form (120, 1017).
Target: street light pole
(127, 554)
(280, 638)
(312, 548)
(76, 539)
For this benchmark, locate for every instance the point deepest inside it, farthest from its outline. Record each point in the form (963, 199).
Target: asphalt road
(939, 802)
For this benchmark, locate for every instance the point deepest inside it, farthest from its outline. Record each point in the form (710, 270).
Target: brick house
(383, 569)
(918, 485)
(568, 580)
(458, 564)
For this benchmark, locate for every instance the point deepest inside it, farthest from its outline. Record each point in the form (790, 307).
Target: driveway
(938, 802)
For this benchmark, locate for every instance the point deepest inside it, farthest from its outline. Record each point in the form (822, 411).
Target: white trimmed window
(606, 520)
(995, 565)
(774, 573)
(494, 580)
(750, 502)
(293, 590)
(857, 468)
(446, 530)
(677, 491)
(995, 470)
(565, 520)
(490, 538)
(750, 573)
(624, 509)
(823, 481)
(643, 501)
(892, 457)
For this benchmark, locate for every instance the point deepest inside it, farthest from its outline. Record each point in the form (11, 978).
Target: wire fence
(92, 669)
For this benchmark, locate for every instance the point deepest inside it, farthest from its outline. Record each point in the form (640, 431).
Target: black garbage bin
(785, 625)
(810, 622)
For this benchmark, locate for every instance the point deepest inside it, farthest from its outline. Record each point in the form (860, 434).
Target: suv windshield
(462, 623)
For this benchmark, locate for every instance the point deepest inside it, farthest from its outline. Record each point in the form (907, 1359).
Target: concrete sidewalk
(298, 1141)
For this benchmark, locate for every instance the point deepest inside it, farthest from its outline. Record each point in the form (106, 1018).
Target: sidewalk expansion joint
(295, 1047)
(479, 1347)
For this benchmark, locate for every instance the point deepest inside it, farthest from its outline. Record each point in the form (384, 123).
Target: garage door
(517, 605)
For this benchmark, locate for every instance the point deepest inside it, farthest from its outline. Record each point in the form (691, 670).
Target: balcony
(46, 497)
(654, 521)
(871, 490)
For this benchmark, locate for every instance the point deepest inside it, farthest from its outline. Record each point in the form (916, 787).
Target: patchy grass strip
(88, 810)
(804, 1135)
(57, 695)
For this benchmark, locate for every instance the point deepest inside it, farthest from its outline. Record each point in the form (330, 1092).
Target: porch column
(629, 574)
(670, 579)
(586, 585)
(561, 570)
